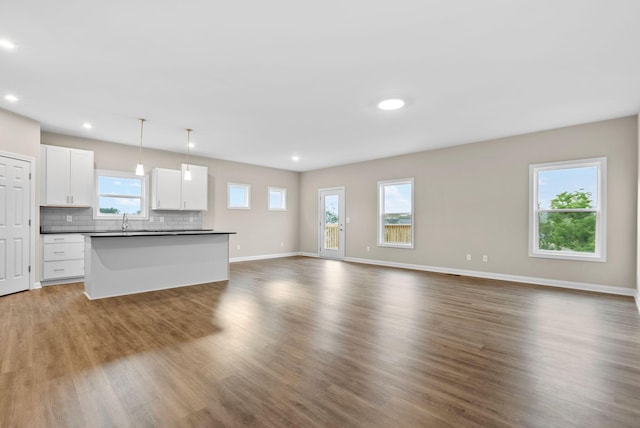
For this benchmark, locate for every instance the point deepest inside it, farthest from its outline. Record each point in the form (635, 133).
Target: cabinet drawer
(63, 269)
(62, 238)
(73, 251)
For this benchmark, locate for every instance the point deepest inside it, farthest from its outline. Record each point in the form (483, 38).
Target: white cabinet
(194, 192)
(165, 189)
(169, 190)
(62, 256)
(67, 176)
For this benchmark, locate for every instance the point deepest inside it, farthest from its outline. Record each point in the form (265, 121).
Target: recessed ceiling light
(11, 98)
(391, 104)
(7, 44)
(87, 125)
(295, 158)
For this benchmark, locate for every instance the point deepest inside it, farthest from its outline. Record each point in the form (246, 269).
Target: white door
(331, 213)
(14, 225)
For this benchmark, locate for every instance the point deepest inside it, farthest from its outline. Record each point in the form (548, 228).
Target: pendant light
(187, 173)
(140, 167)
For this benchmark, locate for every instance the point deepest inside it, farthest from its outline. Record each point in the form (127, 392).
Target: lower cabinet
(62, 257)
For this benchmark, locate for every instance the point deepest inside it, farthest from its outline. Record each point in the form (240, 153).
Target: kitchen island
(120, 263)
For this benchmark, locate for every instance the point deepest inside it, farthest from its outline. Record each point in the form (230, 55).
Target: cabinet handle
(58, 239)
(58, 270)
(71, 198)
(158, 203)
(58, 252)
(185, 204)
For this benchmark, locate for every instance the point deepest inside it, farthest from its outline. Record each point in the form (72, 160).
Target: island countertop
(117, 234)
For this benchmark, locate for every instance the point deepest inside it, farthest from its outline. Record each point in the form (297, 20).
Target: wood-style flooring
(320, 343)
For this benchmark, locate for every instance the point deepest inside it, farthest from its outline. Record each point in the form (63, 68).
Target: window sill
(569, 256)
(389, 245)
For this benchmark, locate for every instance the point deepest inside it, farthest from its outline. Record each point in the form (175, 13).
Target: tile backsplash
(54, 219)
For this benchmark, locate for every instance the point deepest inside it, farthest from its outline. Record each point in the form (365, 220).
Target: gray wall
(474, 199)
(259, 231)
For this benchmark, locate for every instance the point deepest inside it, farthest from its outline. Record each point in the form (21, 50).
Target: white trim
(600, 210)
(381, 213)
(144, 198)
(36, 285)
(247, 196)
(598, 288)
(263, 257)
(637, 297)
(61, 281)
(302, 253)
(32, 211)
(283, 192)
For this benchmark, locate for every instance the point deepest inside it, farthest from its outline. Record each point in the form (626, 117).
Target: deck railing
(393, 233)
(397, 233)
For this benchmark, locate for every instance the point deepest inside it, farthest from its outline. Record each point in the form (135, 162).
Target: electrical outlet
(161, 219)
(348, 220)
(150, 219)
(190, 219)
(282, 244)
(238, 247)
(368, 248)
(485, 258)
(69, 219)
(468, 257)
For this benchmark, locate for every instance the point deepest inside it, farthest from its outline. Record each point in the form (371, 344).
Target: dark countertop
(116, 234)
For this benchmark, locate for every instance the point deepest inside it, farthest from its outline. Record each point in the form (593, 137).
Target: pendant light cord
(188, 143)
(141, 129)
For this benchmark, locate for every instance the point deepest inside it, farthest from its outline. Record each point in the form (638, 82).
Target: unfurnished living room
(340, 214)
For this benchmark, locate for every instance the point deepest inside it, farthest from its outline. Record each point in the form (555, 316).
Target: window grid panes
(119, 193)
(396, 228)
(567, 219)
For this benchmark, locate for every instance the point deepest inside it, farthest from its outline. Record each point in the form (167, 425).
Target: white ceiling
(260, 81)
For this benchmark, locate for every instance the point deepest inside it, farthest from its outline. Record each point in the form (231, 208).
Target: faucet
(125, 222)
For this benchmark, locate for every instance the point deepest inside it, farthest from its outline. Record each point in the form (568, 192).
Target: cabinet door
(56, 175)
(165, 191)
(194, 192)
(81, 182)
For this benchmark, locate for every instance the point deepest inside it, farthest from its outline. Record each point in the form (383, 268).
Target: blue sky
(553, 182)
(120, 186)
(397, 199)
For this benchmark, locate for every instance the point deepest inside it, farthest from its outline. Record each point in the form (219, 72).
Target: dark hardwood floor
(311, 342)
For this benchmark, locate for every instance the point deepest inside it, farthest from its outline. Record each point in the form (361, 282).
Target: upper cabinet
(194, 192)
(169, 190)
(165, 189)
(67, 176)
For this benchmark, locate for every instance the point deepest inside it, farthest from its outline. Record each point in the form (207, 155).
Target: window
(119, 193)
(567, 215)
(395, 213)
(238, 196)
(277, 199)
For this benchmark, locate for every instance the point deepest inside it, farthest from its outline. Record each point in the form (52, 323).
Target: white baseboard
(309, 254)
(637, 297)
(36, 285)
(598, 288)
(262, 257)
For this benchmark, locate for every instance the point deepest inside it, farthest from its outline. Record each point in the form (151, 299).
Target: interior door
(14, 225)
(331, 213)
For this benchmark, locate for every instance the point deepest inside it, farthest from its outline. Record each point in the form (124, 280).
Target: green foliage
(568, 231)
(330, 217)
(109, 211)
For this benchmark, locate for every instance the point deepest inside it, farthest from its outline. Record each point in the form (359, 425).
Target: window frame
(381, 213)
(144, 202)
(283, 192)
(599, 255)
(247, 199)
